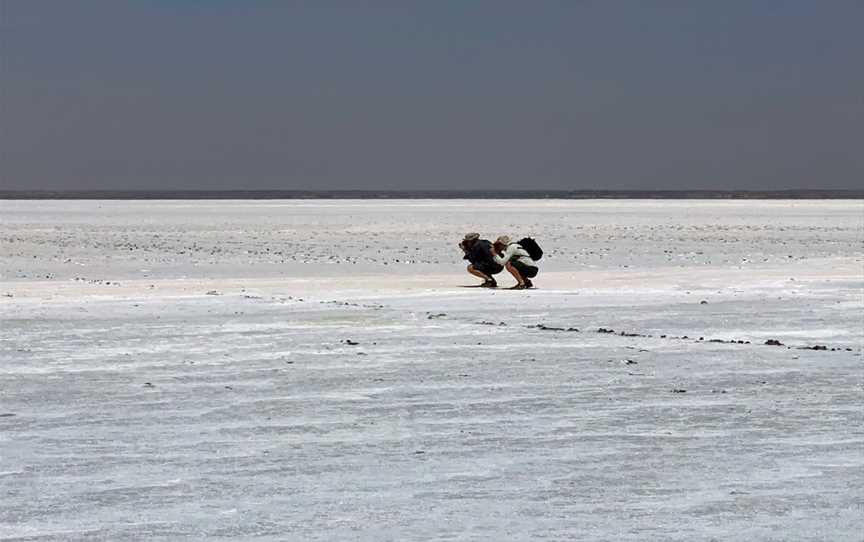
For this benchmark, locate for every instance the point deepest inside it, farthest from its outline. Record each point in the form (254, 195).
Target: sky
(438, 94)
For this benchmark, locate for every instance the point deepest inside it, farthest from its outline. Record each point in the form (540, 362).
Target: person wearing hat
(516, 260)
(479, 253)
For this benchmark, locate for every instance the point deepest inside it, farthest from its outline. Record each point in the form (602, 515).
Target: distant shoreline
(426, 194)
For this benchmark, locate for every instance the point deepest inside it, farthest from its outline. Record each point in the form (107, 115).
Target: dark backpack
(532, 248)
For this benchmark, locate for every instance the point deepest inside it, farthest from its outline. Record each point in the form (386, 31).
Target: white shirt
(514, 252)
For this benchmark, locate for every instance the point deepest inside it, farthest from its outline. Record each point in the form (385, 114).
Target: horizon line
(205, 194)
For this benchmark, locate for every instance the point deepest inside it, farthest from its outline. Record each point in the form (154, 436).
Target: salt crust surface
(314, 371)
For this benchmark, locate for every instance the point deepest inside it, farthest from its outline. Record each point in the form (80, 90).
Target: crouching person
(479, 253)
(516, 260)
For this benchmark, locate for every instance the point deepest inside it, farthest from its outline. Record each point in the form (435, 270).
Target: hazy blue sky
(435, 94)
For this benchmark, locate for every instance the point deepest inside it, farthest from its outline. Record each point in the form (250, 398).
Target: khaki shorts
(527, 271)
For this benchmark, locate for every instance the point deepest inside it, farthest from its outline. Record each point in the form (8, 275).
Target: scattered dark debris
(703, 302)
(629, 362)
(6, 415)
(349, 342)
(544, 327)
(149, 385)
(434, 316)
(418, 452)
(718, 391)
(362, 354)
(488, 323)
(769, 342)
(678, 390)
(214, 292)
(733, 341)
(228, 388)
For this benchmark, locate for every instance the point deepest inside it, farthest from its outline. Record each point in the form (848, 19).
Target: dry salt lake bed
(312, 370)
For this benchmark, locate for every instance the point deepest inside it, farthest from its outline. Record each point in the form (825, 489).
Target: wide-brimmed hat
(471, 236)
(504, 240)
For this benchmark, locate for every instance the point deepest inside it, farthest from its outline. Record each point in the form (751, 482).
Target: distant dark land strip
(426, 194)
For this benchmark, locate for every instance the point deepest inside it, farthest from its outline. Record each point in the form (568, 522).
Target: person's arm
(504, 258)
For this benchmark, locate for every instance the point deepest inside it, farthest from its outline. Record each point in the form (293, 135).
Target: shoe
(528, 283)
(517, 287)
(489, 284)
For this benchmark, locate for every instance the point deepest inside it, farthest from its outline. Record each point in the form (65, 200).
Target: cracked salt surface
(370, 401)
